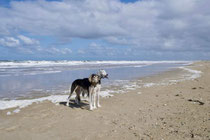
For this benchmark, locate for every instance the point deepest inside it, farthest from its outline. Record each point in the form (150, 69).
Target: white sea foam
(106, 93)
(9, 113)
(138, 66)
(17, 68)
(195, 73)
(16, 110)
(139, 92)
(191, 75)
(23, 103)
(131, 86)
(149, 84)
(14, 64)
(41, 72)
(6, 104)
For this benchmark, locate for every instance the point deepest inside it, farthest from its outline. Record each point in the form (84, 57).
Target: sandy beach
(161, 112)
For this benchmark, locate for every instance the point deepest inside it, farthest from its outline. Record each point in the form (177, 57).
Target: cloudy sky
(104, 29)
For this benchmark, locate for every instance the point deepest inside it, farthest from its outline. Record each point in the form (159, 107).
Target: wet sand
(177, 111)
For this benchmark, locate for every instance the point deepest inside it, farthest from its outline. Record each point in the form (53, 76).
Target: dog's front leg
(94, 98)
(90, 97)
(97, 92)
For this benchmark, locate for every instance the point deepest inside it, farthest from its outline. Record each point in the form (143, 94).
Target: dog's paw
(91, 107)
(99, 105)
(76, 101)
(94, 107)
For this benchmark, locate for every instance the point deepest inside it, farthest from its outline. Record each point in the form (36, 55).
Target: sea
(25, 82)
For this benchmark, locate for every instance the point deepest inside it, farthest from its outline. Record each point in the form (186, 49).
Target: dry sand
(173, 112)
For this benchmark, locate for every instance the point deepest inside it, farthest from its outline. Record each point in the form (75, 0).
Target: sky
(104, 30)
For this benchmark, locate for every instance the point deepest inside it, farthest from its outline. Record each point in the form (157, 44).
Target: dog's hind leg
(67, 102)
(73, 88)
(77, 98)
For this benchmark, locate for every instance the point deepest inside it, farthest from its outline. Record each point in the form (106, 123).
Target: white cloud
(163, 25)
(98, 49)
(57, 51)
(120, 40)
(28, 41)
(9, 42)
(67, 51)
(19, 41)
(21, 44)
(94, 45)
(80, 51)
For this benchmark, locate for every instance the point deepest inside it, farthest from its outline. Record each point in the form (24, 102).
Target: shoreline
(156, 112)
(22, 83)
(133, 84)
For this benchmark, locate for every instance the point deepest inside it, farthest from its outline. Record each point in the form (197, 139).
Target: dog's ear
(90, 78)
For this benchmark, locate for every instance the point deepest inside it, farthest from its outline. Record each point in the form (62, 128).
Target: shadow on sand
(72, 104)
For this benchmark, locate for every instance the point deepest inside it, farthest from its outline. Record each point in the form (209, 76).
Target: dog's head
(94, 79)
(102, 74)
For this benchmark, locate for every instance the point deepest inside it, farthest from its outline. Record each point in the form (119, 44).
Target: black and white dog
(92, 85)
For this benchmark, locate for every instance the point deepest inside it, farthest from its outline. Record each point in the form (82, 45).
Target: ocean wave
(16, 68)
(13, 64)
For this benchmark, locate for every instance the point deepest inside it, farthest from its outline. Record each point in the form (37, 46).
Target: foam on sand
(195, 73)
(6, 104)
(23, 103)
(191, 75)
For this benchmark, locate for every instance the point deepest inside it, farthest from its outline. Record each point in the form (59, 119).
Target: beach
(176, 109)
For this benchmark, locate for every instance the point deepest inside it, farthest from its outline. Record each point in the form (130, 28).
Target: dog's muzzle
(106, 76)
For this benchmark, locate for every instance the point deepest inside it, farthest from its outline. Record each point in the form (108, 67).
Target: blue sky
(104, 30)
